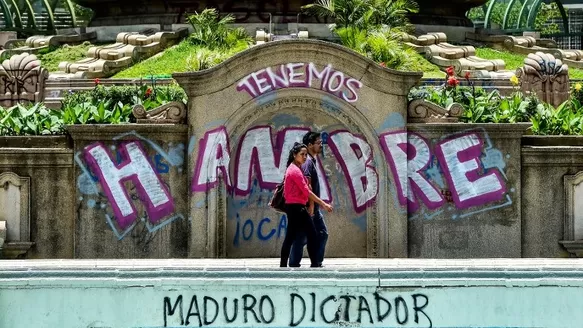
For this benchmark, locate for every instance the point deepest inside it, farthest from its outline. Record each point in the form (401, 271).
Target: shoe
(316, 265)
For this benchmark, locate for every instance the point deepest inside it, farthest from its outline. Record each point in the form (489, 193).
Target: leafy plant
(364, 14)
(29, 120)
(214, 32)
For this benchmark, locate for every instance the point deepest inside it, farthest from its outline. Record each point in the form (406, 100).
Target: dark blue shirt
(309, 169)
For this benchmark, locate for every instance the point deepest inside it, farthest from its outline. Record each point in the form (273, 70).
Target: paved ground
(335, 264)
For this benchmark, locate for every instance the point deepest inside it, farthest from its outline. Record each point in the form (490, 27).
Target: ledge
(552, 156)
(574, 247)
(100, 131)
(552, 141)
(495, 130)
(46, 141)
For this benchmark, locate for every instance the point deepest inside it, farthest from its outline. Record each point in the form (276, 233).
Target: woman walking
(297, 194)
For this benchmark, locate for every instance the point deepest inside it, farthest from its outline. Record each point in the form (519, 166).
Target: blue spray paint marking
(393, 121)
(154, 228)
(507, 203)
(122, 235)
(360, 222)
(191, 145)
(280, 120)
(214, 124)
(174, 156)
(266, 98)
(85, 182)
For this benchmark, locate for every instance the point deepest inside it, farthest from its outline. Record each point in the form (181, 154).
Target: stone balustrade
(463, 58)
(105, 61)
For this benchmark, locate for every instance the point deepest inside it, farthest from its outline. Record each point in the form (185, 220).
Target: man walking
(314, 142)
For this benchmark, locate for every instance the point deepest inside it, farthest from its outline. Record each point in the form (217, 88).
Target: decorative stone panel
(546, 77)
(573, 218)
(15, 205)
(22, 79)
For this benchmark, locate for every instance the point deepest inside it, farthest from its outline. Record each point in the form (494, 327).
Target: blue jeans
(297, 250)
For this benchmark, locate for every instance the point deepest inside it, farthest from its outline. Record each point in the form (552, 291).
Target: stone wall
(49, 166)
(201, 189)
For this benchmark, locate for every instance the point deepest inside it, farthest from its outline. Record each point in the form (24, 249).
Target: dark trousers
(298, 221)
(297, 250)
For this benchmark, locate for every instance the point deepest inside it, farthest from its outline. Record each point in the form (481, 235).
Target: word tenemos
(301, 75)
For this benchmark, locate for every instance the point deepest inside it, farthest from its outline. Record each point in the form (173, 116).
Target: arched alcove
(278, 88)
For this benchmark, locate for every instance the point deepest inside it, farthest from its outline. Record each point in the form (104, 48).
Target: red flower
(97, 81)
(383, 64)
(148, 92)
(452, 81)
(467, 76)
(450, 71)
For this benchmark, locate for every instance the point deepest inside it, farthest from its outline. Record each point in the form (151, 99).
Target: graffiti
(213, 156)
(135, 168)
(459, 170)
(297, 309)
(301, 75)
(257, 153)
(105, 176)
(247, 230)
(355, 156)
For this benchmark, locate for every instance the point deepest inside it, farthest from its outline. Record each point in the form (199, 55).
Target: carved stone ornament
(545, 76)
(15, 204)
(22, 79)
(573, 216)
(422, 111)
(172, 112)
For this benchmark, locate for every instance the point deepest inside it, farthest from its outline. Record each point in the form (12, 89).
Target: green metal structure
(13, 9)
(526, 16)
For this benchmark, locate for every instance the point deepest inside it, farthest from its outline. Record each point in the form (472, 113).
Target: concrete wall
(399, 189)
(142, 219)
(373, 293)
(543, 194)
(49, 165)
(485, 224)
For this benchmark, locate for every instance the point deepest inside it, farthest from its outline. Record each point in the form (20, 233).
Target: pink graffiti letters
(407, 155)
(460, 158)
(213, 156)
(134, 167)
(257, 152)
(301, 75)
(355, 157)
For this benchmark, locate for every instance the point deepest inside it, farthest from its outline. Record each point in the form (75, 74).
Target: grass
(50, 60)
(174, 59)
(514, 61)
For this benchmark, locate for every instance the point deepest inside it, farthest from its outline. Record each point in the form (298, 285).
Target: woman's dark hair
(294, 151)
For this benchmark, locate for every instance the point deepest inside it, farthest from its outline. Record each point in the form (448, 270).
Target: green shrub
(114, 104)
(33, 119)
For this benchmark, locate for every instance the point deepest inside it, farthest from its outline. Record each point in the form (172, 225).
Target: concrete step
(345, 293)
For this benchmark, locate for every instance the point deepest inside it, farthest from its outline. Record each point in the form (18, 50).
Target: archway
(287, 87)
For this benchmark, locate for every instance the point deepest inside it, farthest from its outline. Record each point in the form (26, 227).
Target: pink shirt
(295, 188)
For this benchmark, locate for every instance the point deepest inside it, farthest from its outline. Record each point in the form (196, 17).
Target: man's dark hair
(310, 138)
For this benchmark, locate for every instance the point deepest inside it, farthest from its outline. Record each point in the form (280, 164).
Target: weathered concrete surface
(492, 229)
(51, 196)
(543, 196)
(150, 234)
(327, 88)
(356, 292)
